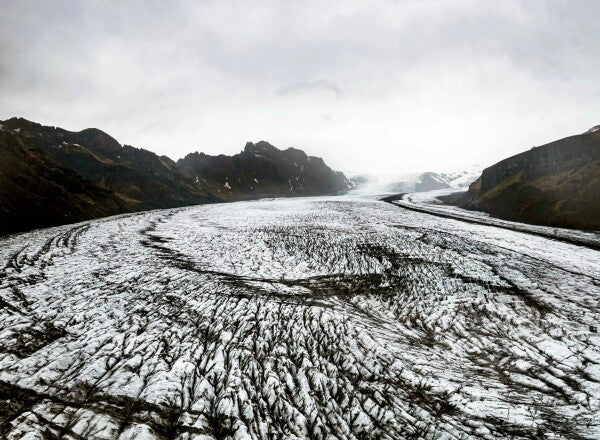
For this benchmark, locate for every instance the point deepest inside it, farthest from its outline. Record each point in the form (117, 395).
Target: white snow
(325, 317)
(429, 202)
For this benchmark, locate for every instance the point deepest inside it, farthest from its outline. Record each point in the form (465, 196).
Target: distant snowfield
(429, 202)
(340, 317)
(411, 182)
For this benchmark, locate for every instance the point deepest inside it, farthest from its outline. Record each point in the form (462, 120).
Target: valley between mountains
(324, 317)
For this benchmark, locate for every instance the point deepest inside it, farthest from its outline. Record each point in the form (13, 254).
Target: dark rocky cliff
(51, 176)
(36, 191)
(557, 184)
(262, 170)
(144, 179)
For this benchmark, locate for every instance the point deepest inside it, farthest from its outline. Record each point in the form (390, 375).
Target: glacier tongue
(339, 317)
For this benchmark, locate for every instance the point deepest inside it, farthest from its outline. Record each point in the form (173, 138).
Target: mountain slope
(145, 179)
(35, 191)
(67, 176)
(557, 184)
(430, 181)
(261, 170)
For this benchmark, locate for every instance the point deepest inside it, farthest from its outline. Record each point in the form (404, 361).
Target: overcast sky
(373, 86)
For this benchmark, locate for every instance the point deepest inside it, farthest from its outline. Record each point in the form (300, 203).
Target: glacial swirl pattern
(321, 318)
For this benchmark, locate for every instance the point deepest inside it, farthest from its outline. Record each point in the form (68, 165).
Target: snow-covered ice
(429, 202)
(333, 317)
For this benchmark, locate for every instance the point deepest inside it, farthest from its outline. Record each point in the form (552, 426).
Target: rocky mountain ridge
(262, 170)
(51, 176)
(430, 181)
(557, 184)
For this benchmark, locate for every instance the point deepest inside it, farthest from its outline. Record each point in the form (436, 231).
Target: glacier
(325, 318)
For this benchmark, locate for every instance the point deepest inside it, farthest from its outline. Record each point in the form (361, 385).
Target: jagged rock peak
(100, 138)
(92, 136)
(594, 129)
(259, 147)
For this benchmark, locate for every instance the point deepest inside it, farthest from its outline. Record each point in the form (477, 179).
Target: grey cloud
(174, 75)
(310, 86)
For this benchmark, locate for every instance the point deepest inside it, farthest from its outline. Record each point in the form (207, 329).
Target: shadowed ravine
(339, 317)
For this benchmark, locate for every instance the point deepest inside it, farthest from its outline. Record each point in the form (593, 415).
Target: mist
(380, 87)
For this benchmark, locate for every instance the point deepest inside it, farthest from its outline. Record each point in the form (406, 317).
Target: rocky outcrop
(262, 170)
(65, 176)
(557, 184)
(431, 181)
(36, 191)
(144, 179)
